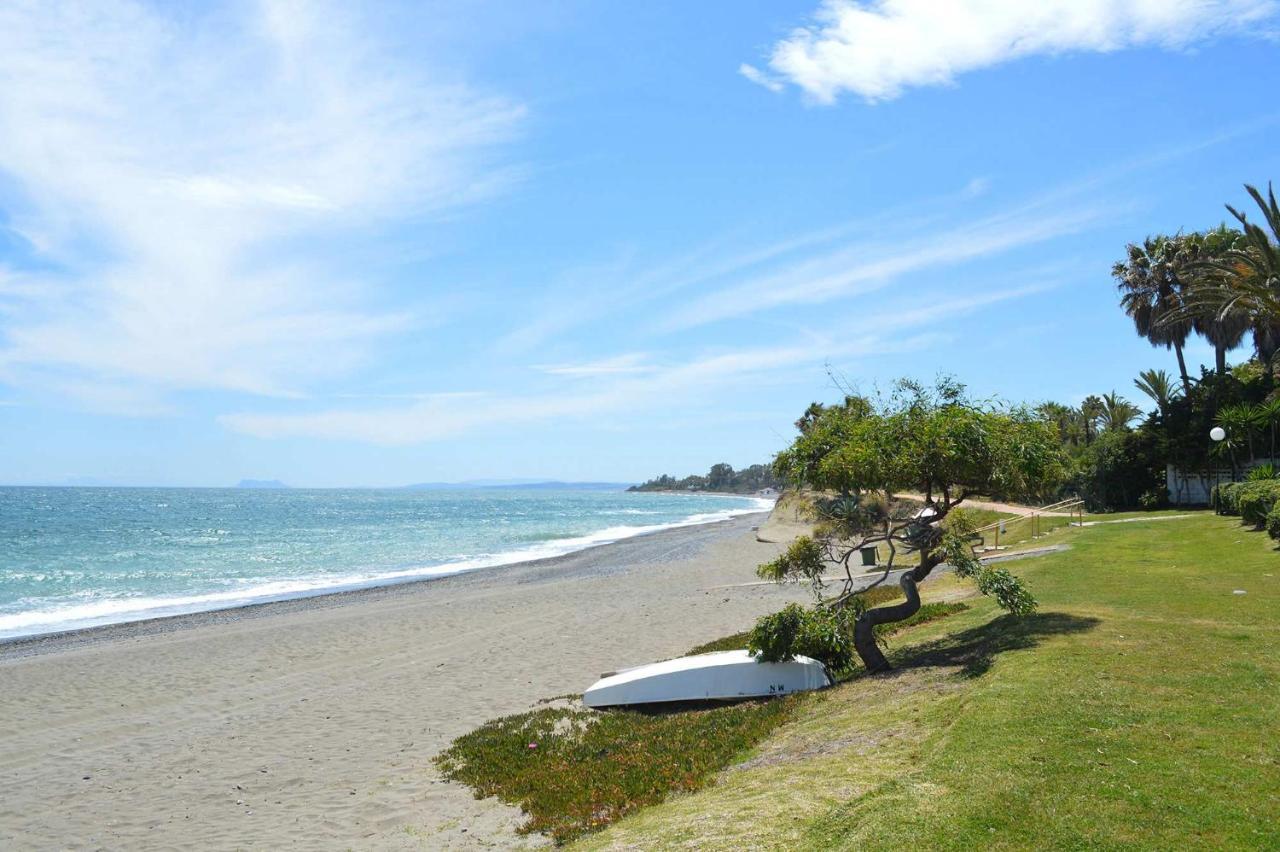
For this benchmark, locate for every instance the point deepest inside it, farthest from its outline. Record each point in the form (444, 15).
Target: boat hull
(721, 676)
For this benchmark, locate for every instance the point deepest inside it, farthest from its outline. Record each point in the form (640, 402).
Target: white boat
(721, 676)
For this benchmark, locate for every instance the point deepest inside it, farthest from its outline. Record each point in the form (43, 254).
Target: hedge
(1273, 521)
(1257, 503)
(1256, 499)
(1226, 498)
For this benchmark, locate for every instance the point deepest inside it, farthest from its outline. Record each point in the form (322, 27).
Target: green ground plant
(1256, 499)
(573, 770)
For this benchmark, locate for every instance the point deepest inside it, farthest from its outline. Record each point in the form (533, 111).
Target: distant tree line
(722, 477)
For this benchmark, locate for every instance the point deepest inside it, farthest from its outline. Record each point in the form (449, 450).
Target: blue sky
(444, 241)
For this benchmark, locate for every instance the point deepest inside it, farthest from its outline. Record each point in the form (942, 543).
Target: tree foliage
(866, 454)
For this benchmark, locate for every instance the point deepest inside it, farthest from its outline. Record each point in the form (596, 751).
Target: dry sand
(312, 723)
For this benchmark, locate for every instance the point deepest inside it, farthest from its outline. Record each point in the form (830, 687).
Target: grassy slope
(1139, 708)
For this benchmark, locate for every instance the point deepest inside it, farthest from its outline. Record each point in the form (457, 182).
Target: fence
(1192, 488)
(1031, 525)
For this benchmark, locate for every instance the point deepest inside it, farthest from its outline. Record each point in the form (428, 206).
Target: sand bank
(312, 723)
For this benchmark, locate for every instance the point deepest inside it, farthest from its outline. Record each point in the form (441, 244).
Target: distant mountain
(519, 485)
(260, 483)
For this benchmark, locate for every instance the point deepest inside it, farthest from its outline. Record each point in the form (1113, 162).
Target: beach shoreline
(23, 646)
(312, 722)
(157, 618)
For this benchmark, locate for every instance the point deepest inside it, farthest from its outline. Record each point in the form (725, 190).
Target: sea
(79, 557)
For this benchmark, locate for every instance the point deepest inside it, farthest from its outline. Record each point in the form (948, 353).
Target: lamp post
(1218, 435)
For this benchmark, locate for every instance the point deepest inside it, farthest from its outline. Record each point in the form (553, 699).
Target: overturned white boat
(721, 676)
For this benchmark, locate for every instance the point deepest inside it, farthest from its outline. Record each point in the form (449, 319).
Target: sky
(456, 240)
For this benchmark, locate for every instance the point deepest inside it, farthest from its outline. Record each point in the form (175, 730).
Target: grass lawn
(1121, 516)
(1139, 708)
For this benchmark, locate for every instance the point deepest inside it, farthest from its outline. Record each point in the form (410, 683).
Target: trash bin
(868, 557)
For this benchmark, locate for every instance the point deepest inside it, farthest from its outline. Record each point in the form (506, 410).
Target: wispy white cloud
(438, 419)
(171, 164)
(867, 266)
(673, 386)
(877, 49)
(759, 77)
(630, 363)
(591, 292)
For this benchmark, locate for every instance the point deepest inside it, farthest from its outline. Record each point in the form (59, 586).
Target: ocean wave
(118, 610)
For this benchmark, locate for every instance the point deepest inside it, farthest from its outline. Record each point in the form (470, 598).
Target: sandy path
(312, 724)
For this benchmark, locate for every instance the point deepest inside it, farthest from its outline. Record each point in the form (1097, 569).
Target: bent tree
(861, 456)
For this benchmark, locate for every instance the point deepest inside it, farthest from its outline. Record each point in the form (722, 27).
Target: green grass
(1121, 516)
(1138, 709)
(573, 771)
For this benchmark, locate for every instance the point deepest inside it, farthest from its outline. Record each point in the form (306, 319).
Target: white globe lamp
(1217, 433)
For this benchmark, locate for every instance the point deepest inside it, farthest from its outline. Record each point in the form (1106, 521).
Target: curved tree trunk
(864, 635)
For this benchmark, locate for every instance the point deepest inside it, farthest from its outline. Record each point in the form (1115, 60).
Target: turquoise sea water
(75, 557)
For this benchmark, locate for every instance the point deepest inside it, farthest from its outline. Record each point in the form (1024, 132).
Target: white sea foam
(73, 616)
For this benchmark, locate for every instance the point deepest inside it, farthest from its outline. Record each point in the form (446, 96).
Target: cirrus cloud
(178, 177)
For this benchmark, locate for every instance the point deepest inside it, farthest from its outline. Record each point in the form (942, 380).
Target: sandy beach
(312, 723)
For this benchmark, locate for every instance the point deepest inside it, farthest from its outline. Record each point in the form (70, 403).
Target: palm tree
(1064, 418)
(1151, 294)
(1090, 411)
(1225, 329)
(810, 416)
(1245, 278)
(1238, 421)
(1117, 411)
(1159, 386)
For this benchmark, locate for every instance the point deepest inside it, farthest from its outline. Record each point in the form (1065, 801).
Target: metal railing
(1071, 508)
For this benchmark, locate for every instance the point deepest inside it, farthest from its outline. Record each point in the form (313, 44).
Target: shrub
(1273, 522)
(1226, 498)
(1256, 499)
(865, 600)
(1262, 472)
(823, 634)
(1154, 499)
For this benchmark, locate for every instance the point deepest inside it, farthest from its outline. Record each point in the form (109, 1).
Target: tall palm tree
(1245, 278)
(1159, 386)
(1151, 294)
(1117, 412)
(1224, 329)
